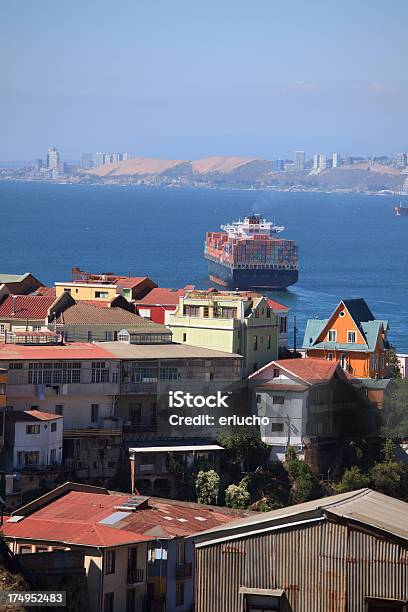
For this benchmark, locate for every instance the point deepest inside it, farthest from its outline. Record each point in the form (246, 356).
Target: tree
(237, 496)
(389, 477)
(245, 448)
(393, 363)
(388, 449)
(353, 478)
(305, 485)
(207, 487)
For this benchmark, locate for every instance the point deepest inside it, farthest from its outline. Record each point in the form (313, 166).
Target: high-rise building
(401, 160)
(125, 156)
(316, 158)
(107, 159)
(37, 164)
(86, 162)
(278, 165)
(336, 160)
(115, 158)
(322, 162)
(53, 159)
(99, 159)
(300, 160)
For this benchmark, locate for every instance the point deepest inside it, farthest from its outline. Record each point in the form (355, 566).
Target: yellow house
(85, 286)
(233, 322)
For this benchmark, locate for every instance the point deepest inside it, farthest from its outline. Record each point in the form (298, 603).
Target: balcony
(135, 576)
(140, 426)
(184, 570)
(130, 388)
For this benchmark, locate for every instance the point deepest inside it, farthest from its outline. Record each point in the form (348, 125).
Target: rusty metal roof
(365, 507)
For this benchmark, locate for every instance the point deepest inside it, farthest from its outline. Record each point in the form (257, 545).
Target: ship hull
(233, 278)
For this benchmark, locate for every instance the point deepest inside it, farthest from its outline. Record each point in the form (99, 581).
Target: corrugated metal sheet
(323, 566)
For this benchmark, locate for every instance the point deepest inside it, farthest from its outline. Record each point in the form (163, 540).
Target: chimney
(14, 300)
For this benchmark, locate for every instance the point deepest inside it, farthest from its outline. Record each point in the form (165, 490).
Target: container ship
(248, 255)
(401, 211)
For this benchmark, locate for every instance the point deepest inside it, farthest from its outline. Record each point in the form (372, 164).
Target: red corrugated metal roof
(72, 350)
(310, 369)
(129, 282)
(75, 518)
(162, 296)
(26, 306)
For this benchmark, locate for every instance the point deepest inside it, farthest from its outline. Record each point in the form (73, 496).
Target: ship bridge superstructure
(254, 225)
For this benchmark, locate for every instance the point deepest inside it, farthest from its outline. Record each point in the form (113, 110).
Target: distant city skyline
(187, 80)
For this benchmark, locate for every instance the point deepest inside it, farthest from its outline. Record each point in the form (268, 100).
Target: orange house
(351, 336)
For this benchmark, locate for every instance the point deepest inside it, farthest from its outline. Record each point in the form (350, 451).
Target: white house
(34, 438)
(301, 398)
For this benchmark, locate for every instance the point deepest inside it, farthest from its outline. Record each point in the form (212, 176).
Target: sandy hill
(137, 166)
(145, 166)
(372, 168)
(224, 165)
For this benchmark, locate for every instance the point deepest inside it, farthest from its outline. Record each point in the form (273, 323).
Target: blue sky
(186, 79)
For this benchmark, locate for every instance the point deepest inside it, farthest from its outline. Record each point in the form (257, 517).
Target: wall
(117, 582)
(87, 291)
(43, 442)
(320, 566)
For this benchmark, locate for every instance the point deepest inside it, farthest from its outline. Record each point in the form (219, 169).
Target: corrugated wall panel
(323, 567)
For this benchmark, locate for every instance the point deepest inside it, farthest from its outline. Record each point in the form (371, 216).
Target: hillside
(244, 172)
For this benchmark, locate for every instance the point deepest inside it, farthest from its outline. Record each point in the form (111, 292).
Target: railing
(184, 570)
(135, 575)
(138, 427)
(138, 387)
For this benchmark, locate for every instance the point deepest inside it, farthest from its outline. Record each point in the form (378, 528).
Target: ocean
(350, 245)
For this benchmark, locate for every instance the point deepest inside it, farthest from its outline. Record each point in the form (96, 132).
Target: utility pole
(294, 335)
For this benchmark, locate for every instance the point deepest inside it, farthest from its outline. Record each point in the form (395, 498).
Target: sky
(184, 79)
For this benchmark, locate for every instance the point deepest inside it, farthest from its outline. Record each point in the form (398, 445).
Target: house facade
(308, 403)
(352, 336)
(235, 322)
(160, 303)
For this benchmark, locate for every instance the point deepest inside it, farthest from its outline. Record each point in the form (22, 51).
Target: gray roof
(364, 506)
(362, 317)
(12, 278)
(123, 350)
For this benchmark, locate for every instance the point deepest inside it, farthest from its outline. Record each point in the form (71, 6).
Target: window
(59, 409)
(53, 455)
(127, 294)
(258, 399)
(108, 336)
(131, 600)
(268, 313)
(41, 549)
(15, 366)
(110, 562)
(32, 458)
(184, 337)
(108, 602)
(103, 295)
(351, 337)
(227, 313)
(2, 328)
(124, 336)
(67, 290)
(57, 373)
(206, 311)
(257, 313)
(135, 412)
(278, 399)
(24, 549)
(329, 356)
(53, 426)
(32, 429)
(94, 413)
(89, 336)
(283, 325)
(100, 372)
(191, 311)
(268, 342)
(180, 552)
(168, 373)
(255, 343)
(2, 389)
(277, 427)
(332, 335)
(276, 372)
(179, 593)
(36, 327)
